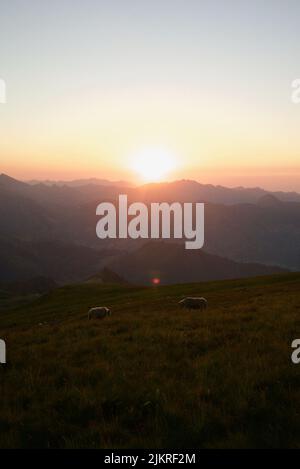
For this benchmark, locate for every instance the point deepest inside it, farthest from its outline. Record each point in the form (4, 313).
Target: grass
(153, 375)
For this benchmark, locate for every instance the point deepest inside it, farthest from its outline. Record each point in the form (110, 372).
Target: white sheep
(193, 303)
(99, 312)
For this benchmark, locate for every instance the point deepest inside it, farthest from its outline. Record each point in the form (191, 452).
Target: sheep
(99, 312)
(194, 303)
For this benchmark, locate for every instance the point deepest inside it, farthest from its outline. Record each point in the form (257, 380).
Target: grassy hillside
(152, 375)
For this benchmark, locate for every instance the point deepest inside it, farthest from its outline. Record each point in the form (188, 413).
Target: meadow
(153, 375)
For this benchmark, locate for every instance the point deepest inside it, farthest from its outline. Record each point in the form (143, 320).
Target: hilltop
(173, 264)
(153, 375)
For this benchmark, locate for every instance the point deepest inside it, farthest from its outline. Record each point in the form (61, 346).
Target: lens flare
(156, 281)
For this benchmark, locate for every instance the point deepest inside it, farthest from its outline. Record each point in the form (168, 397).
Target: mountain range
(170, 263)
(49, 230)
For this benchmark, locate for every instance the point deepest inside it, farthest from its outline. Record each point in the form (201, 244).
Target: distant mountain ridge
(106, 276)
(61, 262)
(172, 263)
(50, 230)
(181, 190)
(192, 191)
(80, 182)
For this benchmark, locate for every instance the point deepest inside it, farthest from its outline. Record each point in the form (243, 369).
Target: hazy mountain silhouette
(172, 263)
(267, 232)
(192, 191)
(62, 262)
(269, 200)
(84, 191)
(106, 276)
(50, 230)
(81, 182)
(7, 182)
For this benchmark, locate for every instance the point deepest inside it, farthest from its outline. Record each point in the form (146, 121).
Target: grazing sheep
(99, 312)
(193, 303)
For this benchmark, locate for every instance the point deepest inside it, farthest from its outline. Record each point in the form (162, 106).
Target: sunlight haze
(107, 80)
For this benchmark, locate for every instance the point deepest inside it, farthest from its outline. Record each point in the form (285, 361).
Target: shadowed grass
(153, 375)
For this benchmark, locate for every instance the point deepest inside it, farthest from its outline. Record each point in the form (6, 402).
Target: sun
(153, 164)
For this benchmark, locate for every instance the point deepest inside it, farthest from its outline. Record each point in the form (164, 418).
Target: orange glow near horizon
(267, 177)
(150, 134)
(87, 97)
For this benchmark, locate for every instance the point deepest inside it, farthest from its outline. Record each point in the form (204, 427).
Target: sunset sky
(204, 87)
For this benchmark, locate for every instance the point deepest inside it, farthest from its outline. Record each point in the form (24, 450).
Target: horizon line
(137, 185)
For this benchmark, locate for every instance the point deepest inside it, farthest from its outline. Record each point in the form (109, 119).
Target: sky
(94, 87)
